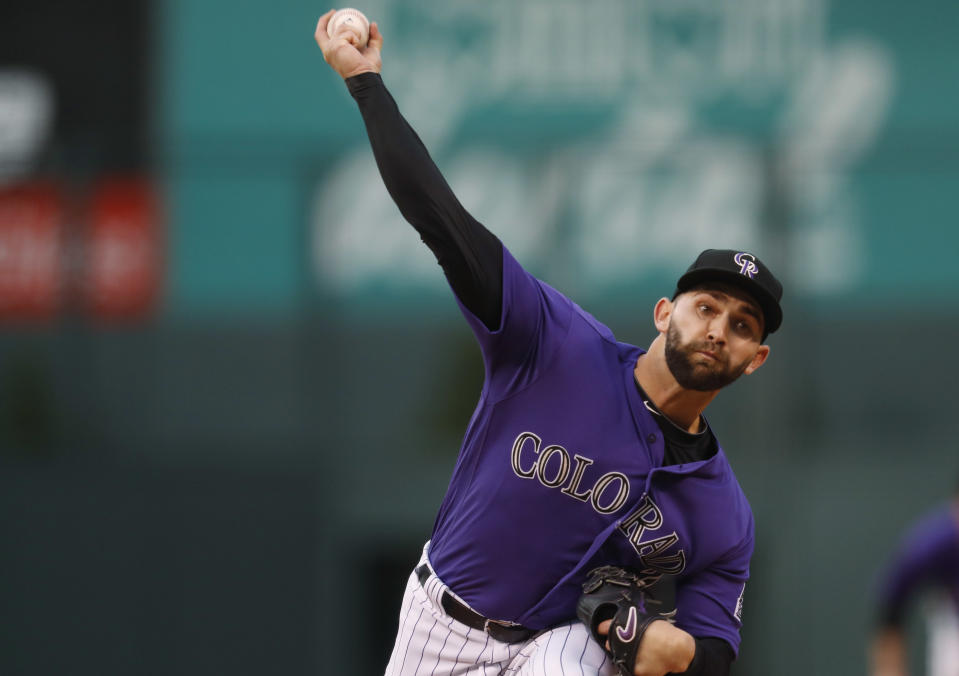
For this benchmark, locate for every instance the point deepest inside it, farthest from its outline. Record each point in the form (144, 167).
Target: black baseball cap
(741, 269)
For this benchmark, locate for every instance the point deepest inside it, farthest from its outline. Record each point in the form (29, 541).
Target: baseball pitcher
(592, 524)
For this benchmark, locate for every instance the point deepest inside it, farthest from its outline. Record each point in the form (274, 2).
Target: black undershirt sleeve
(713, 658)
(470, 255)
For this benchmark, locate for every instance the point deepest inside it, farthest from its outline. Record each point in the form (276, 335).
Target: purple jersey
(561, 470)
(927, 556)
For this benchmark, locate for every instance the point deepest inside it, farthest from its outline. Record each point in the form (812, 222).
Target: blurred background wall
(233, 381)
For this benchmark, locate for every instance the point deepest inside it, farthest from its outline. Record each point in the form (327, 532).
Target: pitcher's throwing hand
(343, 56)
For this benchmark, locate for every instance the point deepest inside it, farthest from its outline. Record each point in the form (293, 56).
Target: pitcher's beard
(697, 376)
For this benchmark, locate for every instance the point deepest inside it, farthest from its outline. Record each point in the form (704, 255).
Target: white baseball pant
(431, 643)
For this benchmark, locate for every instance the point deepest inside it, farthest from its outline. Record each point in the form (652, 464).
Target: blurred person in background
(924, 567)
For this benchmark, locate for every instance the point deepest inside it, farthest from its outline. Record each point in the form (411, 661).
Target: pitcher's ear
(661, 314)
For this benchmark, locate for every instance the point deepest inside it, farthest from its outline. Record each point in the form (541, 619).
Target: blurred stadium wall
(232, 380)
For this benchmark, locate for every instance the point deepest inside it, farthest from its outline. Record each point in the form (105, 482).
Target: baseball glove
(617, 594)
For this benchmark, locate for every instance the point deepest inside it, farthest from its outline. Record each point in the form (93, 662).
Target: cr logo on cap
(746, 263)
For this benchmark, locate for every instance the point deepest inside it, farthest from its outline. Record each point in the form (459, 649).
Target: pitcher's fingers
(320, 35)
(376, 38)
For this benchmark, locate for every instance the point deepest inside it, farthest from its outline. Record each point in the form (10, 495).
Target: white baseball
(354, 20)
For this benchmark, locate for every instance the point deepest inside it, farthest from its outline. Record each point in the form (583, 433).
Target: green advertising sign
(605, 142)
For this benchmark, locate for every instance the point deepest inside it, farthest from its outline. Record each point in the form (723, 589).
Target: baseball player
(583, 453)
(925, 561)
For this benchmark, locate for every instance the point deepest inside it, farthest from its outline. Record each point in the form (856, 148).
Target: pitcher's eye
(744, 328)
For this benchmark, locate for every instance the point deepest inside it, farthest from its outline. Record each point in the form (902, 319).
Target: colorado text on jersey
(608, 494)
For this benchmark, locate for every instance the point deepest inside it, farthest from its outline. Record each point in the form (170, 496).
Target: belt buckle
(498, 624)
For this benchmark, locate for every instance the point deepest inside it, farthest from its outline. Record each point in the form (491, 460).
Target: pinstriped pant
(431, 643)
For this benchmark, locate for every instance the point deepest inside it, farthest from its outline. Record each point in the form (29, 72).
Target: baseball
(354, 20)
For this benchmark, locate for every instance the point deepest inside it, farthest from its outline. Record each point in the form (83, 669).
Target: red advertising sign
(31, 251)
(122, 261)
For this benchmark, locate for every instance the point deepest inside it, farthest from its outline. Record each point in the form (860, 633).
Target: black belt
(506, 632)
